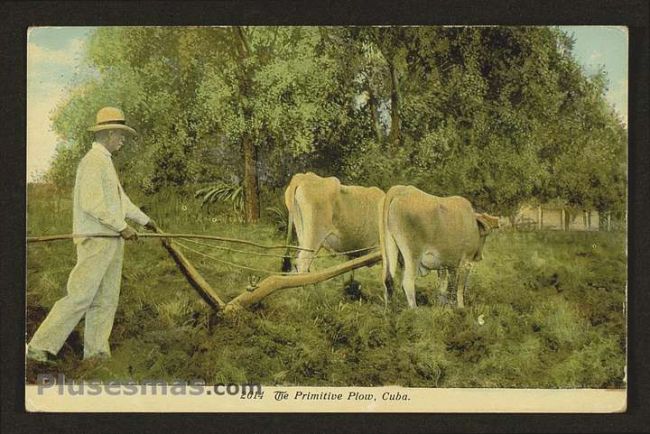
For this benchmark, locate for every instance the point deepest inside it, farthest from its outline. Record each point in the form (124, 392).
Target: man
(100, 207)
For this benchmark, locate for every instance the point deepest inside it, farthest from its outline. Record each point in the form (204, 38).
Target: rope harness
(191, 238)
(246, 267)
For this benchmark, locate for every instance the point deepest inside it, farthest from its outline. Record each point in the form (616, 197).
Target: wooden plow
(251, 295)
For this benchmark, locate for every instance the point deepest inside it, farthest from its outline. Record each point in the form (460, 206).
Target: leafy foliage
(279, 217)
(223, 192)
(501, 115)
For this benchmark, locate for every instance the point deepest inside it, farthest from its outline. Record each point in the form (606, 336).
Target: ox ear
(486, 223)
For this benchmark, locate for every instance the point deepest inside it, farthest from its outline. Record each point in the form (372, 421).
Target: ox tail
(289, 196)
(286, 260)
(389, 250)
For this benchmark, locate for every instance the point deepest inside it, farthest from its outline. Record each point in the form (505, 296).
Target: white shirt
(100, 203)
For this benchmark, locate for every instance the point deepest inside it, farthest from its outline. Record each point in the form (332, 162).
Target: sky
(605, 46)
(54, 66)
(54, 63)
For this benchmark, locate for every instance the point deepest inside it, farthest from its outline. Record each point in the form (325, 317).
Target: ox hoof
(352, 290)
(286, 265)
(422, 299)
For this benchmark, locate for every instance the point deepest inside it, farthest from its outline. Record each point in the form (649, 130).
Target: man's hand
(129, 233)
(152, 226)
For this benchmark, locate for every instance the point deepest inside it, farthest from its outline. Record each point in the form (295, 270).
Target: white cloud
(41, 139)
(45, 89)
(37, 55)
(596, 56)
(68, 56)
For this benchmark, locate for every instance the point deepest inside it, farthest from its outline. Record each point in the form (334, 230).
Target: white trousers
(93, 290)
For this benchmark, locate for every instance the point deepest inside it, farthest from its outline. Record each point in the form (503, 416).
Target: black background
(15, 17)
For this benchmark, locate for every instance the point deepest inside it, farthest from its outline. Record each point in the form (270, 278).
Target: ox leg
(351, 281)
(408, 281)
(310, 256)
(460, 290)
(390, 255)
(286, 261)
(389, 288)
(463, 276)
(452, 286)
(443, 284)
(304, 261)
(460, 282)
(352, 288)
(443, 279)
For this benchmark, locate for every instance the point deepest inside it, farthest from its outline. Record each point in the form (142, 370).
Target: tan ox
(430, 233)
(327, 214)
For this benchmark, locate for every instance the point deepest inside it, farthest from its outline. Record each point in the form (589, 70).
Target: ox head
(486, 223)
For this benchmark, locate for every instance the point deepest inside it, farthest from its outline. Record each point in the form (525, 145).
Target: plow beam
(274, 283)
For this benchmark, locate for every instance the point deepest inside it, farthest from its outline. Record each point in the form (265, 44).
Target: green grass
(551, 306)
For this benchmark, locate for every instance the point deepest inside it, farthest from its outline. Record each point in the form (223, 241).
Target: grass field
(544, 310)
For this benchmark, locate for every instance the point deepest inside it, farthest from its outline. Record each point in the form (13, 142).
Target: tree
(501, 115)
(270, 94)
(212, 91)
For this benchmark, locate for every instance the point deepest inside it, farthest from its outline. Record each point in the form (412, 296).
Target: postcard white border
(420, 400)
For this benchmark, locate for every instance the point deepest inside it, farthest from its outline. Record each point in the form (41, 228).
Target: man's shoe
(40, 356)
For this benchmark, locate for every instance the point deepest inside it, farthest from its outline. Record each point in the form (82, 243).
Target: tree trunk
(388, 53)
(395, 134)
(251, 190)
(374, 112)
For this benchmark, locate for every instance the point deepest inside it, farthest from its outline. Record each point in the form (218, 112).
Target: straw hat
(111, 118)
